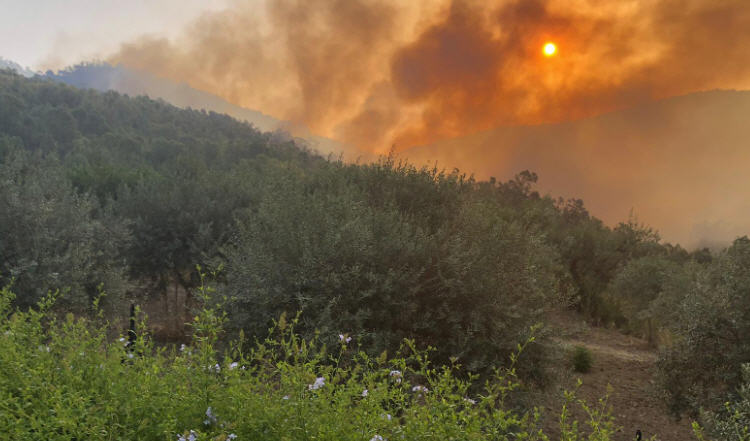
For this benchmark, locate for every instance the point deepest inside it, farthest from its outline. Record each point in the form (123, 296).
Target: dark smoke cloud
(331, 70)
(480, 68)
(310, 62)
(379, 72)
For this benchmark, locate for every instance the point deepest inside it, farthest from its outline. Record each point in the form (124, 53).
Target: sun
(549, 49)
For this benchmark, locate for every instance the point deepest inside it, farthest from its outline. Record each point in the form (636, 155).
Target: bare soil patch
(624, 366)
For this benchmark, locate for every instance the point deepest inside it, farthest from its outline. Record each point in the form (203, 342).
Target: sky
(43, 34)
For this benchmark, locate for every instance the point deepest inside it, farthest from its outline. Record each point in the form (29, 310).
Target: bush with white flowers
(65, 379)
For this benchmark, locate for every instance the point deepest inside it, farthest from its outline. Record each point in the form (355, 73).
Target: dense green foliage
(355, 259)
(382, 251)
(175, 175)
(104, 191)
(54, 238)
(713, 325)
(733, 422)
(646, 290)
(64, 380)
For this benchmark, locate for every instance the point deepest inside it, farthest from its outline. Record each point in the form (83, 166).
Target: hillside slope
(382, 251)
(12, 65)
(680, 164)
(105, 77)
(623, 368)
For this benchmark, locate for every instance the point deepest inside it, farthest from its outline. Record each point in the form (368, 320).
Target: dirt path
(628, 365)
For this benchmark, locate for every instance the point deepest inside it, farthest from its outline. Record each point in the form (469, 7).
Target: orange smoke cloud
(373, 73)
(381, 73)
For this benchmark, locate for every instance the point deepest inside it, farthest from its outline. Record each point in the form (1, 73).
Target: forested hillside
(104, 77)
(126, 195)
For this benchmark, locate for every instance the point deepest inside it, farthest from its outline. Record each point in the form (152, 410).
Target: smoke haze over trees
(104, 191)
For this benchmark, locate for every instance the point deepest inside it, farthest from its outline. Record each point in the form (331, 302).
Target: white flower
(397, 375)
(191, 437)
(215, 368)
(285, 397)
(386, 416)
(130, 355)
(211, 417)
(231, 436)
(470, 401)
(121, 339)
(364, 393)
(344, 339)
(182, 346)
(376, 438)
(233, 365)
(319, 382)
(419, 389)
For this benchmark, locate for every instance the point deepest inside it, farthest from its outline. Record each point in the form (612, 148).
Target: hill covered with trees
(126, 195)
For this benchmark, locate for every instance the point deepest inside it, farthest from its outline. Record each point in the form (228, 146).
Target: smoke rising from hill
(680, 164)
(374, 73)
(383, 74)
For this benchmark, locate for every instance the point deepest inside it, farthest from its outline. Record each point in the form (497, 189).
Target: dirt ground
(625, 363)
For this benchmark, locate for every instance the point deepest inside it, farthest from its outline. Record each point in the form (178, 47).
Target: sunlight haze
(52, 34)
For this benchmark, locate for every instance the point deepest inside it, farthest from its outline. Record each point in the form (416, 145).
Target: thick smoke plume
(374, 73)
(383, 74)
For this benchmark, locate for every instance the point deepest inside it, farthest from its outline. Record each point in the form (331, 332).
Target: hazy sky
(54, 33)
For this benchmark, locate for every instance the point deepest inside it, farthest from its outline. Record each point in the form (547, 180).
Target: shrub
(64, 380)
(53, 238)
(713, 320)
(355, 262)
(647, 290)
(733, 422)
(582, 359)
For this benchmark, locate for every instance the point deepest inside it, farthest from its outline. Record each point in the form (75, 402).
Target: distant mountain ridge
(681, 164)
(12, 65)
(103, 76)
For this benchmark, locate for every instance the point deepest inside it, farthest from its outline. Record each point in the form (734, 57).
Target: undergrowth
(62, 379)
(582, 359)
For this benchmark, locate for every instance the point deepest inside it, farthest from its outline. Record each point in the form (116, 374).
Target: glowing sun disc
(549, 49)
